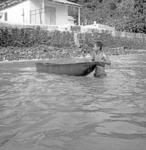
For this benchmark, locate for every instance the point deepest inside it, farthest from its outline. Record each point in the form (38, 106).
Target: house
(40, 12)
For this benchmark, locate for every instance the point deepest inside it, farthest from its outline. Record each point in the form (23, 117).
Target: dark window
(1, 15)
(6, 16)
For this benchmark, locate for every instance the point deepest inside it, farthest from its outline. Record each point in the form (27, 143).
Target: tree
(125, 15)
(139, 16)
(134, 17)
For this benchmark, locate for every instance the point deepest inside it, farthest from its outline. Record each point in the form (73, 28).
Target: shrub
(26, 37)
(110, 41)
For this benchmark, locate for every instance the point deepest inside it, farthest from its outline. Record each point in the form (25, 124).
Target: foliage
(26, 37)
(124, 15)
(34, 43)
(110, 41)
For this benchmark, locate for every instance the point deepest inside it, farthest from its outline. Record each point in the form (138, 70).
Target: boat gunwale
(73, 63)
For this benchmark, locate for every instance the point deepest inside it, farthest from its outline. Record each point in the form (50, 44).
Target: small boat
(72, 69)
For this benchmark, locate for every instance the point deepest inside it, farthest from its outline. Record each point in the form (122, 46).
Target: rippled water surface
(50, 112)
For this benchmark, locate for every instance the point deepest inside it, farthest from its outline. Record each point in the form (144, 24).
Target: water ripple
(42, 111)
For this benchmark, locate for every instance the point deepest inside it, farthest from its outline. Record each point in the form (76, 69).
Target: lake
(40, 111)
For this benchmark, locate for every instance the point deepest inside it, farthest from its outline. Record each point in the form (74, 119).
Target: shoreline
(21, 61)
(77, 55)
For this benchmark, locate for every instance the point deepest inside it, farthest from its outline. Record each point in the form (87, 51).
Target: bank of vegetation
(34, 43)
(124, 15)
(23, 42)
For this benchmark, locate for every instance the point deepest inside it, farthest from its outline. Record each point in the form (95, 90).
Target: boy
(99, 55)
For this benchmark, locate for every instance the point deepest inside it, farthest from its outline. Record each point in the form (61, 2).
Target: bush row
(37, 52)
(110, 41)
(27, 37)
(18, 43)
(47, 52)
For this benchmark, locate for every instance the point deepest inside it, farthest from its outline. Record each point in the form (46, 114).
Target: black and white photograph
(72, 74)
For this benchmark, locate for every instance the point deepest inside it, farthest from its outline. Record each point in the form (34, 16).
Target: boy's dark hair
(99, 44)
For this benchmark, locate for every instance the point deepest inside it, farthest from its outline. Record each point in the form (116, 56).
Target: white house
(39, 12)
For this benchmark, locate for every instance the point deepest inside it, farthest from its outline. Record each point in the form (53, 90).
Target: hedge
(34, 43)
(111, 41)
(37, 52)
(27, 37)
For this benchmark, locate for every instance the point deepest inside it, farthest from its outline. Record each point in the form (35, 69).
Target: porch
(57, 12)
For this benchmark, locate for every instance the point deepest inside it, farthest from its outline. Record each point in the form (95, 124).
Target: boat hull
(73, 69)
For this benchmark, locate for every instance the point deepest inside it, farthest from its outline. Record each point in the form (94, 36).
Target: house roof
(66, 2)
(10, 3)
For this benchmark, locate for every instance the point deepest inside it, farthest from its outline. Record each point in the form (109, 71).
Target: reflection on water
(50, 112)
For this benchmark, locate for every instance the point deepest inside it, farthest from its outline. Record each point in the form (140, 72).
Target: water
(50, 112)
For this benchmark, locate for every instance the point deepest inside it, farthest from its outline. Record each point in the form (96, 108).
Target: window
(36, 16)
(1, 15)
(6, 16)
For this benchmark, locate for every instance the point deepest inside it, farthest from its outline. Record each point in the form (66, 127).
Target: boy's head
(96, 46)
(99, 44)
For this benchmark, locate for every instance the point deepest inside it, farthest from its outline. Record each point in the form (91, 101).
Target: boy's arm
(106, 58)
(93, 56)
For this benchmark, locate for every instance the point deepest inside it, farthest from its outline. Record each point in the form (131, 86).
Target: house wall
(62, 15)
(36, 4)
(37, 12)
(61, 12)
(18, 14)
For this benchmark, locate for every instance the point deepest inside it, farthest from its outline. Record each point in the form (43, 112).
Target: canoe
(72, 69)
